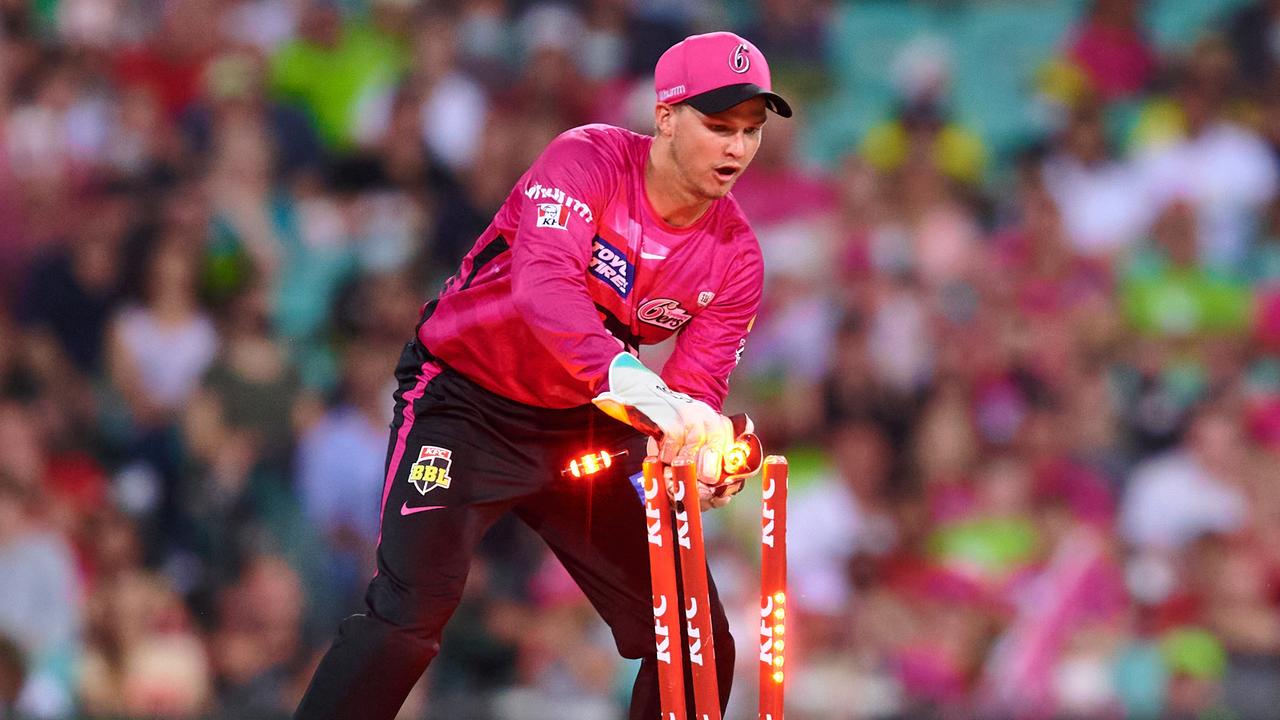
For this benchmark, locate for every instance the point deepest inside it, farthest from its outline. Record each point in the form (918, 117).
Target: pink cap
(714, 72)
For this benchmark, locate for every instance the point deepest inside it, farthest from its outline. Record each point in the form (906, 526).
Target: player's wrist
(639, 397)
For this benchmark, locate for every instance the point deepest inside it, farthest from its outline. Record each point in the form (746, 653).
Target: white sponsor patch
(553, 215)
(538, 191)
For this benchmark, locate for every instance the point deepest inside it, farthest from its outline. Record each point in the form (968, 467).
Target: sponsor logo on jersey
(553, 215)
(611, 266)
(432, 469)
(538, 191)
(704, 298)
(664, 313)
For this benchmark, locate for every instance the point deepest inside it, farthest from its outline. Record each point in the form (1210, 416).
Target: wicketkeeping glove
(638, 397)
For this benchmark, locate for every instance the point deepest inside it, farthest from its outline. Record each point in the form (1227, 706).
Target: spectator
(339, 474)
(1173, 499)
(1193, 151)
(941, 229)
(233, 91)
(161, 347)
(790, 344)
(844, 516)
(1097, 194)
(855, 389)
(984, 530)
(921, 127)
(899, 330)
(1046, 279)
(605, 44)
(1249, 33)
(451, 105)
(1240, 612)
(297, 243)
(945, 441)
(1196, 664)
(167, 65)
(1166, 292)
(333, 68)
(74, 288)
(252, 386)
(1110, 46)
(565, 672)
(45, 143)
(39, 601)
(264, 25)
(257, 637)
(13, 675)
(485, 35)
(547, 97)
(143, 656)
(158, 350)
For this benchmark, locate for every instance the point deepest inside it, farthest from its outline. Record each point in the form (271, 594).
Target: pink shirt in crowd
(1118, 61)
(576, 267)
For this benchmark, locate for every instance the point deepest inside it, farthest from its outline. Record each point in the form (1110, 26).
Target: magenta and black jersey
(577, 267)
(494, 400)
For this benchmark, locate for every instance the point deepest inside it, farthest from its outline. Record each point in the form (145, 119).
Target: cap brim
(723, 98)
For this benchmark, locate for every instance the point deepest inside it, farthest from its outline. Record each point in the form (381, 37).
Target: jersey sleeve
(710, 345)
(560, 200)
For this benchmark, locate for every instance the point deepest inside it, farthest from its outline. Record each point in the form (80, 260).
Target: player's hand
(712, 494)
(638, 396)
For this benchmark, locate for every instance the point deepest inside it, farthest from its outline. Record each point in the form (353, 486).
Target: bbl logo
(432, 469)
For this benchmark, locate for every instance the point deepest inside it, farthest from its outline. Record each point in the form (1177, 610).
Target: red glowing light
(590, 463)
(735, 460)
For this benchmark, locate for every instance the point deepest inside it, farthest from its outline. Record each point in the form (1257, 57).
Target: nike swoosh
(406, 510)
(651, 256)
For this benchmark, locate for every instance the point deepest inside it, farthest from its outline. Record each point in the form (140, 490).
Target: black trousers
(460, 457)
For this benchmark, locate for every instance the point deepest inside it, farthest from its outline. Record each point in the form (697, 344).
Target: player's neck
(670, 199)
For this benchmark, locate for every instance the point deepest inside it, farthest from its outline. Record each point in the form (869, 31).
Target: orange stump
(773, 586)
(666, 600)
(687, 540)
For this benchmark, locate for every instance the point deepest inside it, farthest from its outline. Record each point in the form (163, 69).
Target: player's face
(711, 151)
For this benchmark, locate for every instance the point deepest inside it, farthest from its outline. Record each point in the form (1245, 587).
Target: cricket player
(528, 359)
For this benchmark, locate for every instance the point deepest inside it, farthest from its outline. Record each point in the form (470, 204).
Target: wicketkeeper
(612, 240)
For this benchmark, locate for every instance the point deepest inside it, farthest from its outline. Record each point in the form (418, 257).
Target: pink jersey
(576, 267)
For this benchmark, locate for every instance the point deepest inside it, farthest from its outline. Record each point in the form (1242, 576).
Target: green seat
(998, 49)
(1176, 24)
(865, 38)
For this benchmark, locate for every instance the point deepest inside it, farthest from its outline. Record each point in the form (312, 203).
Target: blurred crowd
(1030, 396)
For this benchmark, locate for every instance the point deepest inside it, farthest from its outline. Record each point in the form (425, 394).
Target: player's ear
(664, 119)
